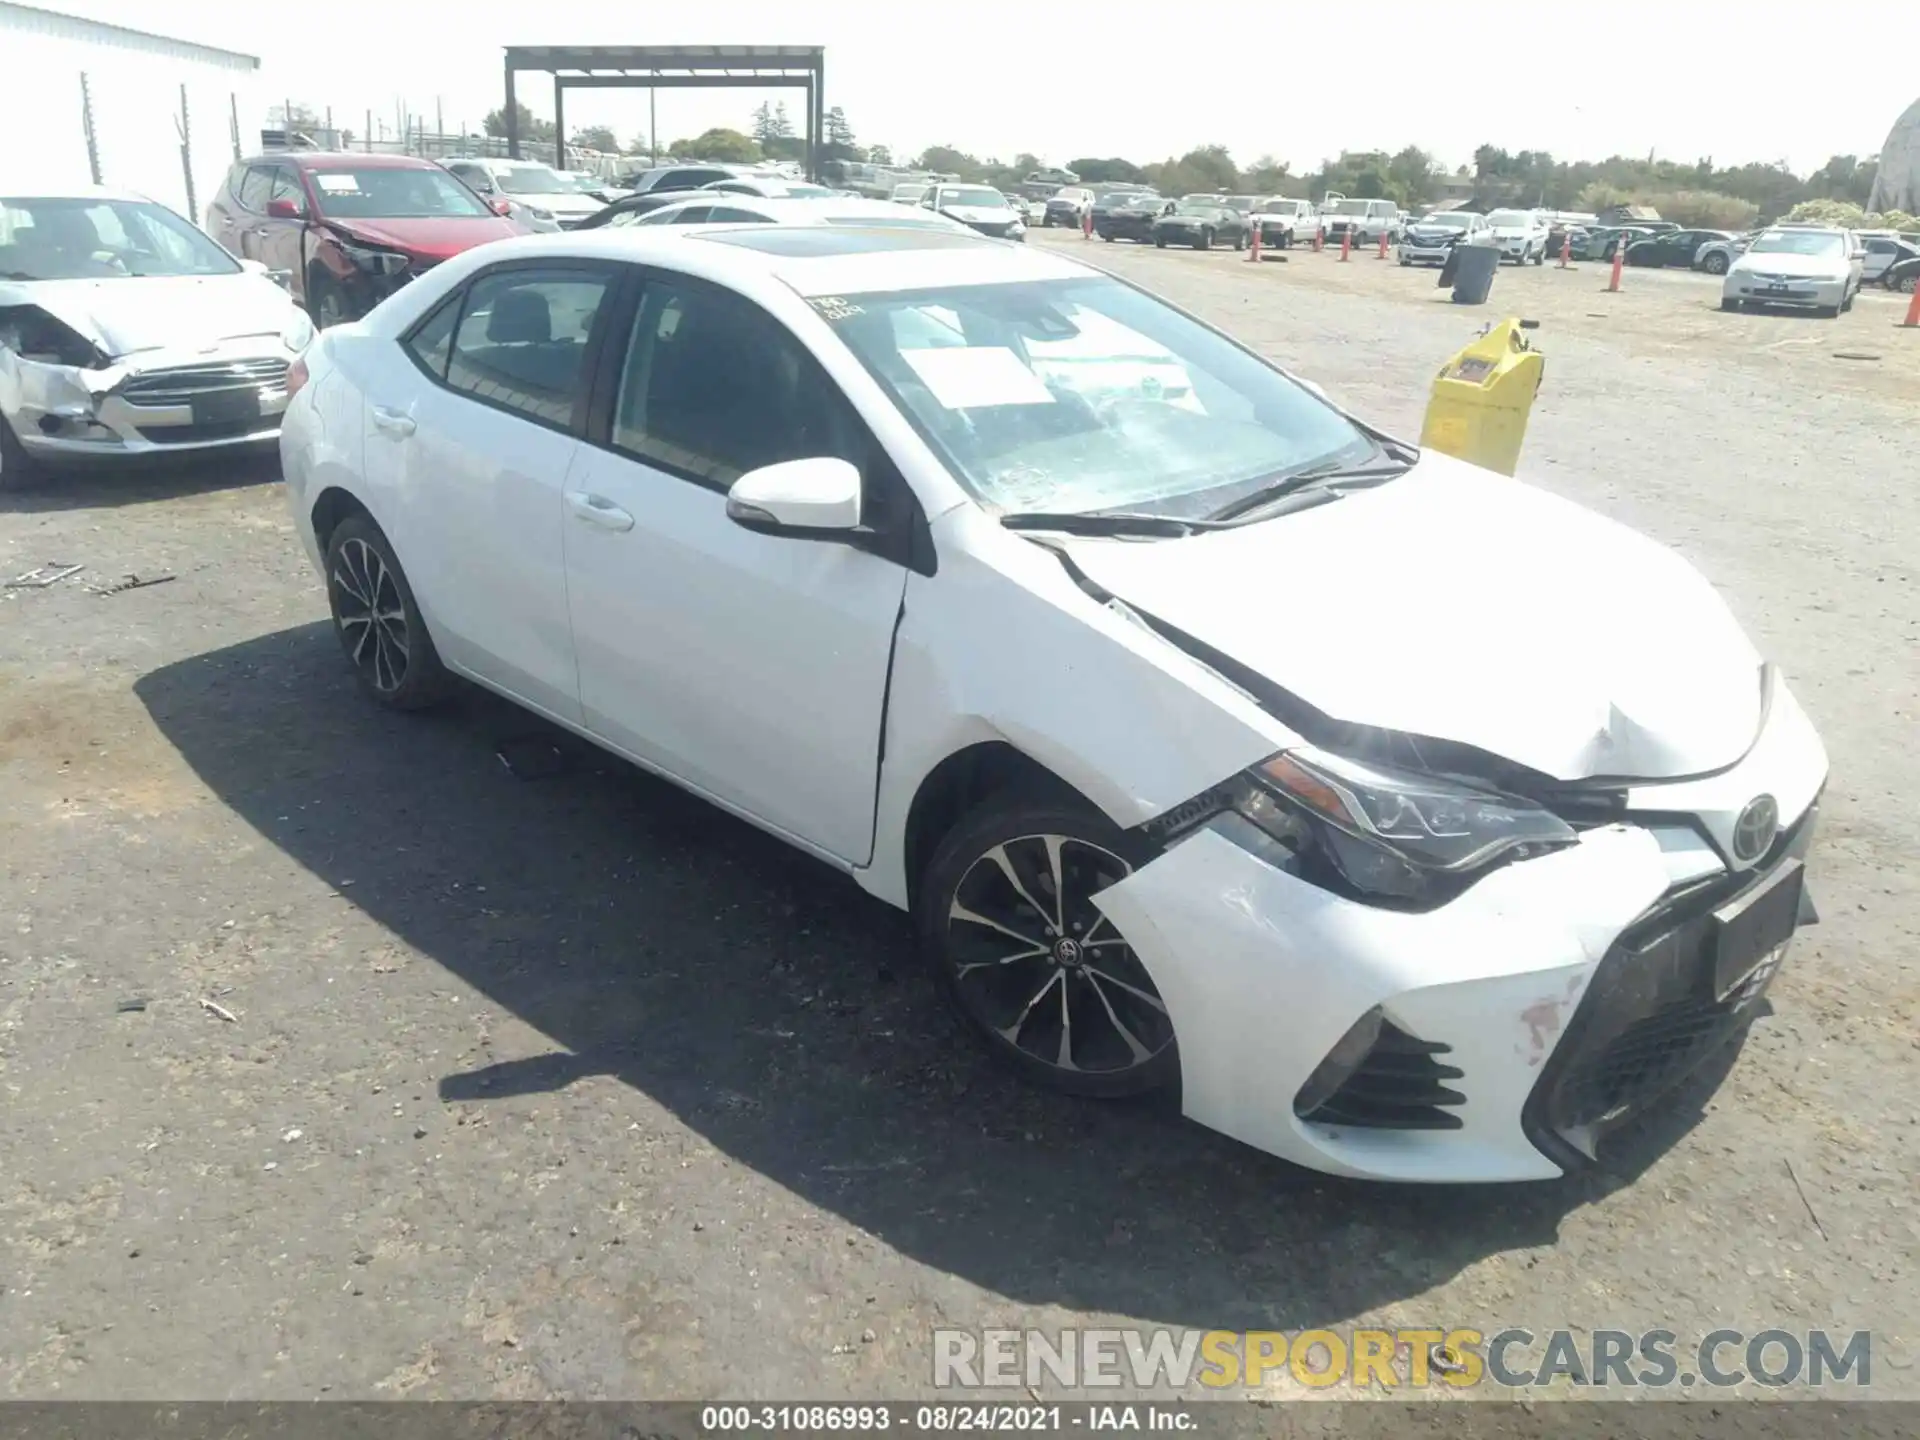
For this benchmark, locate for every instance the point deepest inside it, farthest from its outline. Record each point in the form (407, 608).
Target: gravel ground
(560, 1083)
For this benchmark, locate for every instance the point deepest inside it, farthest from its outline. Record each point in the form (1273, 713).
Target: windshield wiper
(1337, 479)
(1120, 522)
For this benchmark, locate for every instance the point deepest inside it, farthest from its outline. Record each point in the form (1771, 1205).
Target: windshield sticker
(832, 307)
(338, 184)
(966, 377)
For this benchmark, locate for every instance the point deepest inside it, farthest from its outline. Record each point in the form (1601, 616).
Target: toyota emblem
(1753, 832)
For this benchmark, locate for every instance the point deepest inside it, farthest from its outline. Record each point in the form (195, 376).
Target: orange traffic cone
(1319, 238)
(1566, 250)
(1254, 244)
(1913, 312)
(1086, 224)
(1346, 243)
(1383, 246)
(1619, 260)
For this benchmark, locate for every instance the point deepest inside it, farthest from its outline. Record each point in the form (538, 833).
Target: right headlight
(1392, 833)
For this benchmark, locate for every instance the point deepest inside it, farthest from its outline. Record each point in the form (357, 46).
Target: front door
(751, 666)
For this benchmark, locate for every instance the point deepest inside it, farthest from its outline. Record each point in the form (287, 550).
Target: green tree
(1111, 171)
(879, 155)
(839, 137)
(597, 137)
(728, 147)
(531, 126)
(1268, 176)
(945, 160)
(1410, 174)
(1207, 170)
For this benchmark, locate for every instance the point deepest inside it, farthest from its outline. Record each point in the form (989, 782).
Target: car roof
(342, 160)
(816, 260)
(69, 192)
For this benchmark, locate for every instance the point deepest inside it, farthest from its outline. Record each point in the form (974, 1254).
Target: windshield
(87, 239)
(1350, 207)
(802, 192)
(1445, 222)
(1279, 207)
(908, 192)
(1503, 219)
(533, 180)
(1197, 207)
(394, 193)
(973, 195)
(1087, 395)
(1796, 242)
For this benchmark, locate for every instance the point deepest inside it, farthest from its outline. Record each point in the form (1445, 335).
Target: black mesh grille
(1649, 1017)
(1399, 1086)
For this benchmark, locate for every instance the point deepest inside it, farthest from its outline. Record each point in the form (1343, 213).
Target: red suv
(348, 230)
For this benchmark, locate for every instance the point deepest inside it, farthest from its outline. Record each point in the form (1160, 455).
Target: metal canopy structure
(668, 67)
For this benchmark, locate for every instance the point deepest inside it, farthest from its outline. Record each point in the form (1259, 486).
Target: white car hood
(564, 203)
(130, 313)
(1457, 604)
(1514, 232)
(980, 214)
(1812, 267)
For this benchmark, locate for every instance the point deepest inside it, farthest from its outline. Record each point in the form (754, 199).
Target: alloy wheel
(371, 615)
(1033, 960)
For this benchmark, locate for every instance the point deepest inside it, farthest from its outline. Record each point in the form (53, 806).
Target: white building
(133, 84)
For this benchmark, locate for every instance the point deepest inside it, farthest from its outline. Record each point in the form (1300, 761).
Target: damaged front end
(63, 395)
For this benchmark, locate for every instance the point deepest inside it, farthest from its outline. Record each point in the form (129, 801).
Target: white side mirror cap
(797, 497)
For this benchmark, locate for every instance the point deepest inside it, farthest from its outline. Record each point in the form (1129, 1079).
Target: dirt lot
(567, 1085)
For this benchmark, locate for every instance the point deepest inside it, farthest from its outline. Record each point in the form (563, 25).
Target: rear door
(751, 666)
(472, 426)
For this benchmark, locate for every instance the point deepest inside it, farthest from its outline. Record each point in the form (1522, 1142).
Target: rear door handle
(395, 422)
(598, 510)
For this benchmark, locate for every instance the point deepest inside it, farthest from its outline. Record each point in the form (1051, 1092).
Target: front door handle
(598, 510)
(263, 232)
(395, 422)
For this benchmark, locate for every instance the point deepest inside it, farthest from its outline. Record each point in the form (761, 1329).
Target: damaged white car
(1214, 739)
(126, 331)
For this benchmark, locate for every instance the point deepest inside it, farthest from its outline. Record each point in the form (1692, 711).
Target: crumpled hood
(1458, 604)
(1813, 267)
(128, 314)
(434, 238)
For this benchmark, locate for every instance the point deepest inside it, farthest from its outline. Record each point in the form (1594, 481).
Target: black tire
(1107, 236)
(18, 470)
(395, 663)
(1240, 240)
(1104, 1012)
(1406, 263)
(1903, 284)
(1160, 242)
(1726, 304)
(1714, 264)
(326, 302)
(1205, 242)
(1540, 257)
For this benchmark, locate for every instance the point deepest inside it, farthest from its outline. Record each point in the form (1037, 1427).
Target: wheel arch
(333, 505)
(961, 782)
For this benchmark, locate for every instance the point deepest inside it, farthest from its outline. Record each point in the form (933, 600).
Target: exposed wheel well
(333, 506)
(962, 781)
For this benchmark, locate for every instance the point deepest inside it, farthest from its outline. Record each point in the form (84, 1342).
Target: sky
(1067, 78)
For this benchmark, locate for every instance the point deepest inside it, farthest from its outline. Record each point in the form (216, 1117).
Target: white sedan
(1804, 267)
(830, 210)
(845, 530)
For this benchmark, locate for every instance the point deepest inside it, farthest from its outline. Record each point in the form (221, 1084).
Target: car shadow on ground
(140, 481)
(775, 1010)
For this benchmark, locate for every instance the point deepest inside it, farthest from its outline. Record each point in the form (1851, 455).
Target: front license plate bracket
(1750, 927)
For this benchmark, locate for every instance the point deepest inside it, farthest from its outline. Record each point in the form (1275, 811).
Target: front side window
(253, 189)
(1088, 395)
(713, 386)
(522, 339)
(84, 239)
(286, 186)
(392, 192)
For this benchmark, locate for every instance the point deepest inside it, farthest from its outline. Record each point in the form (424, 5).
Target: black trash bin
(1469, 269)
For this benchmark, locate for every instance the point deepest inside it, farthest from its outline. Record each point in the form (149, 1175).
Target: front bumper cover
(1263, 973)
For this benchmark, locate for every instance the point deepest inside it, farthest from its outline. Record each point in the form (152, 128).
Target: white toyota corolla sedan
(1214, 738)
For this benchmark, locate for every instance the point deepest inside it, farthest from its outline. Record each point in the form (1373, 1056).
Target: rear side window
(522, 341)
(432, 339)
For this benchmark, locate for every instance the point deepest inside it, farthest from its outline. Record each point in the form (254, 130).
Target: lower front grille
(1650, 1017)
(1399, 1086)
(262, 425)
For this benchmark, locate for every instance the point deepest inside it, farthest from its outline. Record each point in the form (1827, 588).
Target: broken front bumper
(158, 402)
(1555, 998)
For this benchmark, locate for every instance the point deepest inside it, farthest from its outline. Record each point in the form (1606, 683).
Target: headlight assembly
(1390, 833)
(374, 262)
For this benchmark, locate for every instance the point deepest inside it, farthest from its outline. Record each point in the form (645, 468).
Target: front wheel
(1714, 264)
(1205, 242)
(1006, 914)
(18, 469)
(377, 620)
(1160, 242)
(1240, 240)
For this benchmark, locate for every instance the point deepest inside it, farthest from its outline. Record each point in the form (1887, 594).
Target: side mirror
(802, 498)
(500, 207)
(285, 210)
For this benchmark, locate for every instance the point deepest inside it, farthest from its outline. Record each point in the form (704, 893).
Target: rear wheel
(18, 469)
(1906, 283)
(326, 302)
(1006, 914)
(377, 620)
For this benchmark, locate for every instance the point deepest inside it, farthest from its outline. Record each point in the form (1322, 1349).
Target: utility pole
(653, 126)
(86, 124)
(184, 125)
